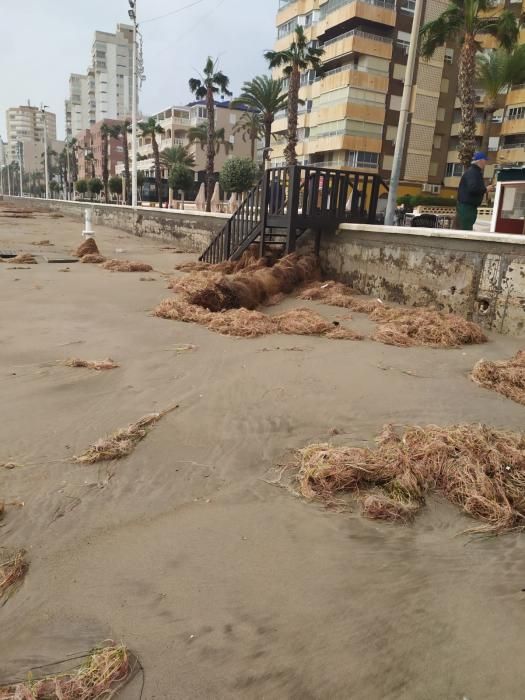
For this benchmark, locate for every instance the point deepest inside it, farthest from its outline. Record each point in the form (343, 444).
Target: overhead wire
(173, 12)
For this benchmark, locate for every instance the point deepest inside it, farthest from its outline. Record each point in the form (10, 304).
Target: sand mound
(89, 246)
(13, 567)
(505, 376)
(126, 266)
(479, 469)
(91, 364)
(103, 672)
(93, 258)
(24, 259)
(121, 443)
(409, 327)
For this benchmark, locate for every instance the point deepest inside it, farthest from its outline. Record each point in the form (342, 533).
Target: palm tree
(122, 130)
(200, 135)
(105, 131)
(151, 128)
(465, 21)
(251, 126)
(497, 72)
(298, 57)
(211, 83)
(90, 158)
(174, 157)
(266, 96)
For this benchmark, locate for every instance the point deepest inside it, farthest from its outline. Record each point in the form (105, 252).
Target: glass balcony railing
(358, 33)
(333, 5)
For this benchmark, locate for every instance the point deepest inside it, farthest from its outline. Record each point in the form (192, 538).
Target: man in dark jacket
(471, 192)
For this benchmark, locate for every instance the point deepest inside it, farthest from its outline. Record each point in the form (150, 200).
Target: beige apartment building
(176, 122)
(25, 136)
(351, 105)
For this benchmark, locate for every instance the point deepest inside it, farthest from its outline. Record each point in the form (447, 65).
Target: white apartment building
(25, 125)
(105, 91)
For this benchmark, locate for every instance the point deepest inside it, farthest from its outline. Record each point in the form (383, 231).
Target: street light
(134, 107)
(46, 172)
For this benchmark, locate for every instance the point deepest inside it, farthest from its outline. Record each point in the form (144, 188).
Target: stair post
(294, 185)
(264, 209)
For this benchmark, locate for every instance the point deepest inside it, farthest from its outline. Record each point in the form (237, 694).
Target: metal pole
(403, 115)
(68, 193)
(46, 172)
(8, 180)
(20, 168)
(134, 108)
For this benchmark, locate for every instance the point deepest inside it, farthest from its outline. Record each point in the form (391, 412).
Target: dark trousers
(467, 215)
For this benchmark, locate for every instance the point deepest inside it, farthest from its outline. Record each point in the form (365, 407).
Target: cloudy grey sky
(43, 41)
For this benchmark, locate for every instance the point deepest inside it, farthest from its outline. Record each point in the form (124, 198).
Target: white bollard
(88, 227)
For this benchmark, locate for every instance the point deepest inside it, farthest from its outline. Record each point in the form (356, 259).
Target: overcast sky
(43, 41)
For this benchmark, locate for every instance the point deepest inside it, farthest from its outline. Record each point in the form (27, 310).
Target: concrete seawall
(190, 231)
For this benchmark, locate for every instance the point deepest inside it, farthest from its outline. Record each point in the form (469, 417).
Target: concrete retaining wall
(480, 276)
(190, 231)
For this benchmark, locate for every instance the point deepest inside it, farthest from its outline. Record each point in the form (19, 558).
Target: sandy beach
(224, 585)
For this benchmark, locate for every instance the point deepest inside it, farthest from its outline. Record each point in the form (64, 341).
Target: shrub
(238, 175)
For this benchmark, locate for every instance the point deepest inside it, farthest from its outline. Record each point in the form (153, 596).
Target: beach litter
(478, 468)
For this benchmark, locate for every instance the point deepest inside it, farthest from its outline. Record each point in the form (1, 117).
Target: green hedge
(411, 200)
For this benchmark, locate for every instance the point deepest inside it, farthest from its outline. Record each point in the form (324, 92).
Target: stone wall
(480, 276)
(190, 231)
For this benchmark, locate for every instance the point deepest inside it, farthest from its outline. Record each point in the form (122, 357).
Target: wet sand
(224, 585)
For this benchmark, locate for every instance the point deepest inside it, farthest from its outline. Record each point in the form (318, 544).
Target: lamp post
(134, 106)
(46, 171)
(403, 115)
(19, 147)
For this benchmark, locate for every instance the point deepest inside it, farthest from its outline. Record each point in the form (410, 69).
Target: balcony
(336, 12)
(349, 76)
(343, 142)
(516, 96)
(358, 41)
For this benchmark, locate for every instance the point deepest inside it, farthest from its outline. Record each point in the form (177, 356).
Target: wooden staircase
(289, 201)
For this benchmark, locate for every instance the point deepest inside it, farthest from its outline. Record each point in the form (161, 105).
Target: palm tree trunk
(125, 147)
(105, 168)
(158, 180)
(467, 96)
(293, 108)
(252, 149)
(268, 121)
(210, 148)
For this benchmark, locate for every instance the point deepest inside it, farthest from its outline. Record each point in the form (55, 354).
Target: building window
(362, 159)
(233, 118)
(403, 40)
(449, 55)
(454, 170)
(287, 28)
(408, 6)
(516, 113)
(440, 116)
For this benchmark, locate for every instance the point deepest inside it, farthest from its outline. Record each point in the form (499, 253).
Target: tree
(95, 186)
(497, 72)
(250, 125)
(90, 158)
(181, 178)
(199, 134)
(151, 128)
(81, 186)
(106, 132)
(54, 186)
(211, 83)
(464, 21)
(238, 175)
(298, 57)
(266, 96)
(172, 157)
(115, 185)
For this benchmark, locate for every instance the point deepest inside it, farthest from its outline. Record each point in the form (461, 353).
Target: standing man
(471, 191)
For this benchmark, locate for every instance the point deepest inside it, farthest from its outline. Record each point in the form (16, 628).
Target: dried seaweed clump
(121, 443)
(179, 310)
(409, 327)
(242, 323)
(507, 377)
(87, 247)
(338, 294)
(479, 469)
(252, 287)
(104, 671)
(126, 266)
(93, 258)
(13, 567)
(91, 364)
(24, 259)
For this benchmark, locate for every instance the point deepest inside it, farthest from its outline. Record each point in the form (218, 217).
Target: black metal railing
(295, 199)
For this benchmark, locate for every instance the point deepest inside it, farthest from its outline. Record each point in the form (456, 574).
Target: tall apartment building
(105, 91)
(25, 126)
